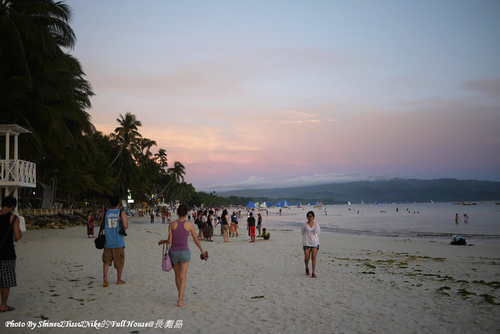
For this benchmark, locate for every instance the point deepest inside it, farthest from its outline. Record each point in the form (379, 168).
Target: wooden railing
(17, 173)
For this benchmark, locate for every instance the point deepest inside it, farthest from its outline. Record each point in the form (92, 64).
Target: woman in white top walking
(310, 242)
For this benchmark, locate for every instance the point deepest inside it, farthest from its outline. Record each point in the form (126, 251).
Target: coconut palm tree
(161, 158)
(42, 87)
(127, 135)
(177, 172)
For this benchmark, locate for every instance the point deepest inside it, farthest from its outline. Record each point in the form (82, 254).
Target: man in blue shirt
(115, 224)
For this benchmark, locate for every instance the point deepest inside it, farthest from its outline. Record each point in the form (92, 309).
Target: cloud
(296, 117)
(488, 87)
(255, 182)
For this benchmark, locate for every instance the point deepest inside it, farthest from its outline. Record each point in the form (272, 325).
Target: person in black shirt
(9, 231)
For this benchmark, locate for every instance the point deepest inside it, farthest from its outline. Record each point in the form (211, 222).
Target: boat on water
(318, 205)
(470, 203)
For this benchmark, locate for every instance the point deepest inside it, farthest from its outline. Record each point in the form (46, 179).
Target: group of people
(208, 220)
(114, 225)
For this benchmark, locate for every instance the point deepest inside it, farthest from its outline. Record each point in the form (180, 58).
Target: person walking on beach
(9, 232)
(178, 233)
(310, 242)
(115, 224)
(225, 225)
(251, 227)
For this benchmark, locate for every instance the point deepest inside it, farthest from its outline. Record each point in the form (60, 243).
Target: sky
(265, 94)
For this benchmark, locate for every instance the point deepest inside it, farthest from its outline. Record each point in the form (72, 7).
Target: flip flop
(307, 271)
(122, 282)
(313, 276)
(105, 284)
(206, 255)
(10, 308)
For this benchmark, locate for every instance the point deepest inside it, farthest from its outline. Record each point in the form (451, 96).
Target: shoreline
(415, 285)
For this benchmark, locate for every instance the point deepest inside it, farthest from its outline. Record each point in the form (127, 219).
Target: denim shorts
(309, 247)
(180, 256)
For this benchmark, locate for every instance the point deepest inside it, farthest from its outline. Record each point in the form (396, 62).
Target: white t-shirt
(310, 235)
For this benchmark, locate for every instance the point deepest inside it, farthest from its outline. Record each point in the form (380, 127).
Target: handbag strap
(103, 218)
(168, 248)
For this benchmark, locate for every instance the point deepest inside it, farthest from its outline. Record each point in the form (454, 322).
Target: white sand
(364, 285)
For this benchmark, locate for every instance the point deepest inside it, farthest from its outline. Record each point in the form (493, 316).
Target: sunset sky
(255, 94)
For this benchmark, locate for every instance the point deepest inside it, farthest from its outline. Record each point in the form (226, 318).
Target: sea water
(398, 220)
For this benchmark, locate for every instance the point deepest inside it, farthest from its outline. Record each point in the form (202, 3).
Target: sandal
(204, 256)
(307, 271)
(313, 276)
(9, 309)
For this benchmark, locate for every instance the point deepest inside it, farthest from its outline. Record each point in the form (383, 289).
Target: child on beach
(90, 224)
(266, 235)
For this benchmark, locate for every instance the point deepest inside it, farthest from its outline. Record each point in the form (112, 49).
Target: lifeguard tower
(15, 173)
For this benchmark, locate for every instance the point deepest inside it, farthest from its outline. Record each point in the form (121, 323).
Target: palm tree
(177, 172)
(42, 87)
(161, 158)
(127, 135)
(145, 146)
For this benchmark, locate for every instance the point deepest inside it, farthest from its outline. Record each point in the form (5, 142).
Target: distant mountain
(395, 190)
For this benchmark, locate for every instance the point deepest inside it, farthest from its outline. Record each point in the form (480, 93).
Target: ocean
(435, 220)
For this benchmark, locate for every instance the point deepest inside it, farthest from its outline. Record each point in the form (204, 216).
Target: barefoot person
(9, 232)
(115, 224)
(178, 233)
(310, 242)
(225, 225)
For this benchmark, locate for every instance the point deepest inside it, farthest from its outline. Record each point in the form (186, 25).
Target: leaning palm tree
(127, 135)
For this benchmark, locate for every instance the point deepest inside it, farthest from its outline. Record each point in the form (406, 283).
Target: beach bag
(99, 241)
(166, 263)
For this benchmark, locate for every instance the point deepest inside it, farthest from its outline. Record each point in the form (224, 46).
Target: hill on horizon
(395, 190)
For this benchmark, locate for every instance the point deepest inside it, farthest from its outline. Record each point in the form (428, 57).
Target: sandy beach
(365, 284)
